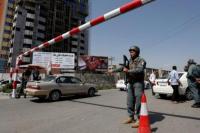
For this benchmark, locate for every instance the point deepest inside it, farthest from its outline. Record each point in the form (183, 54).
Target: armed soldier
(135, 76)
(193, 77)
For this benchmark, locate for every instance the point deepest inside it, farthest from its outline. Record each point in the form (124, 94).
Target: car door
(65, 85)
(183, 80)
(78, 86)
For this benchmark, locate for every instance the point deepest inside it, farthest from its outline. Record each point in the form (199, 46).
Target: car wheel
(41, 98)
(91, 92)
(121, 89)
(55, 95)
(162, 95)
(188, 94)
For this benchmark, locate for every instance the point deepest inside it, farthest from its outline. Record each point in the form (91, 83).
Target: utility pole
(111, 59)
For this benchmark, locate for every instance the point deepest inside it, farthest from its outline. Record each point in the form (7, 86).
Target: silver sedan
(54, 87)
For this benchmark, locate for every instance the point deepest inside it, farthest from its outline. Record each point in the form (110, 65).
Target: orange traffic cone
(144, 126)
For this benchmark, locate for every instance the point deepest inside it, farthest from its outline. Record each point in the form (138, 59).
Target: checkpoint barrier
(114, 13)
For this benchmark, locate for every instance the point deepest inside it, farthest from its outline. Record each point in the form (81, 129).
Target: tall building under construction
(37, 21)
(6, 19)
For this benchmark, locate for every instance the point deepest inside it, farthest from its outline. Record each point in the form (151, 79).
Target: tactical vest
(133, 65)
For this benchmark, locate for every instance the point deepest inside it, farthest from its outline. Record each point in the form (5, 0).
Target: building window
(17, 29)
(7, 31)
(5, 48)
(19, 12)
(30, 11)
(26, 45)
(28, 36)
(41, 31)
(82, 48)
(40, 39)
(42, 23)
(29, 19)
(6, 39)
(29, 28)
(8, 24)
(82, 41)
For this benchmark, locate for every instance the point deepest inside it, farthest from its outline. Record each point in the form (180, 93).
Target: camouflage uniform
(194, 72)
(135, 85)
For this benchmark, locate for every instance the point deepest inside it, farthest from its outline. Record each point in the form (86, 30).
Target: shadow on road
(153, 130)
(178, 116)
(154, 116)
(182, 99)
(64, 98)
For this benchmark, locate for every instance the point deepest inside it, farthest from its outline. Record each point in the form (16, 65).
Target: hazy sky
(167, 31)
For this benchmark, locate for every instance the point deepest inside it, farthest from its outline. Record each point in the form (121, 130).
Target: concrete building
(37, 21)
(28, 28)
(6, 19)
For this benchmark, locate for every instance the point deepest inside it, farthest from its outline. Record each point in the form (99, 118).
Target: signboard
(41, 58)
(93, 63)
(55, 60)
(62, 60)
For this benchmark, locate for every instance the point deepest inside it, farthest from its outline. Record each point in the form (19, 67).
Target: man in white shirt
(152, 79)
(174, 81)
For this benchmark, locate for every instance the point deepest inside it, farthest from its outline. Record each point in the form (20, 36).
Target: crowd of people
(193, 80)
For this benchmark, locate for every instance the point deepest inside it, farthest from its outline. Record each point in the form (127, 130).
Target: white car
(121, 85)
(163, 88)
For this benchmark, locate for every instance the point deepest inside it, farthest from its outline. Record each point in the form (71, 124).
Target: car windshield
(163, 77)
(180, 74)
(49, 78)
(166, 76)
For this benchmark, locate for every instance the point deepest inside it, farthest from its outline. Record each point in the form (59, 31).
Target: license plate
(162, 84)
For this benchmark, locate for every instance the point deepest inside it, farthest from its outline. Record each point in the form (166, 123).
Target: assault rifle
(125, 64)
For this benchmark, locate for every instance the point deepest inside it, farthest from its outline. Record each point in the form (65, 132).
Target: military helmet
(135, 48)
(191, 61)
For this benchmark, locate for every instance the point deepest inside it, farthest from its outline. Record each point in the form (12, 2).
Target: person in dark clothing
(135, 88)
(193, 77)
(175, 82)
(36, 74)
(25, 77)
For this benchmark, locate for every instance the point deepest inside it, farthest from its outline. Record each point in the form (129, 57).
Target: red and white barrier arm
(11, 74)
(116, 12)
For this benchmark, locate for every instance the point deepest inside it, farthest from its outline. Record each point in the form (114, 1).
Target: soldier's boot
(129, 120)
(136, 124)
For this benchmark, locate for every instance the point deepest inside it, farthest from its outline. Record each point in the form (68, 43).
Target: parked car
(163, 88)
(5, 82)
(120, 84)
(54, 87)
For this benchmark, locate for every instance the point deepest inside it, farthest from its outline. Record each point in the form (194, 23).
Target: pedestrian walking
(173, 79)
(193, 77)
(152, 79)
(135, 76)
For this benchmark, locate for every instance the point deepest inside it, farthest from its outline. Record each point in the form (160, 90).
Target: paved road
(101, 114)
